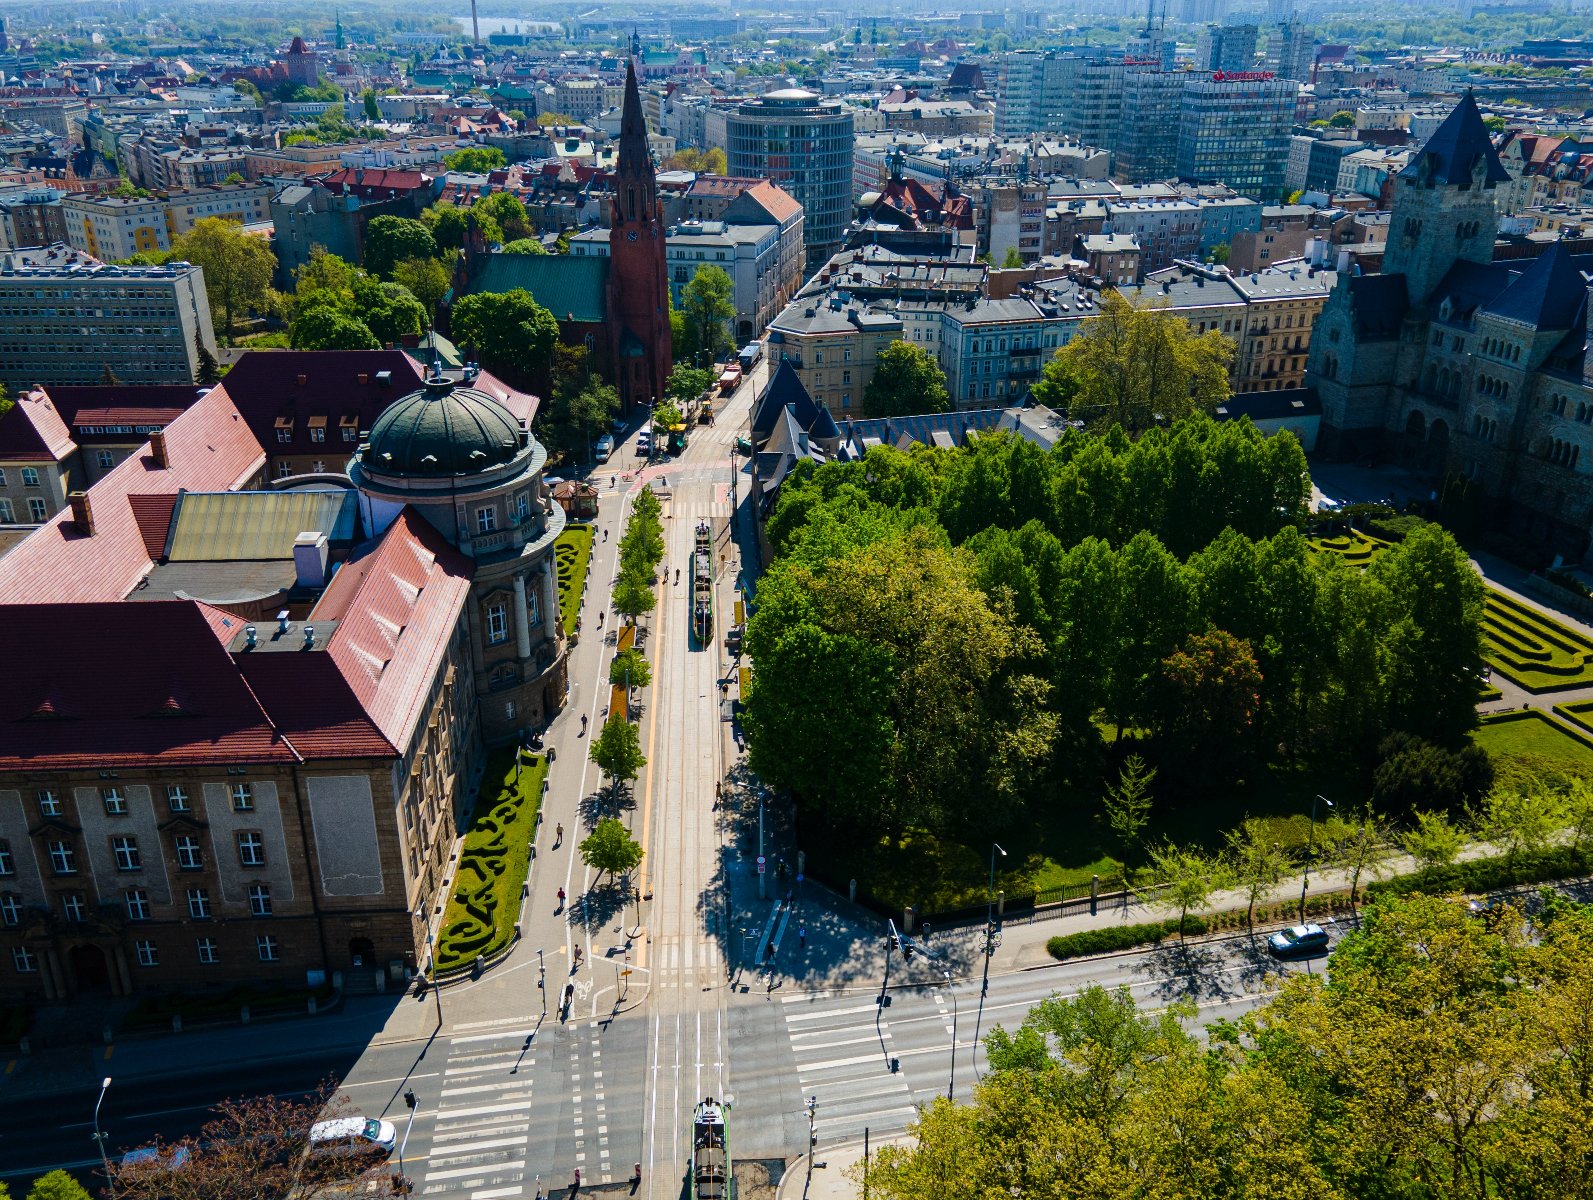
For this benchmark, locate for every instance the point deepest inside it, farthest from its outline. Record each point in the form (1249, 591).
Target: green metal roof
(255, 526)
(570, 286)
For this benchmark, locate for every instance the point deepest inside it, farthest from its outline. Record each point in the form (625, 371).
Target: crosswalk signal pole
(813, 1137)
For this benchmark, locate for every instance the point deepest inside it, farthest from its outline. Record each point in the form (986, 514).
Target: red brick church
(618, 305)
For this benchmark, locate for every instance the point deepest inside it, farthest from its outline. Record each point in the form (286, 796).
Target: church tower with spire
(638, 285)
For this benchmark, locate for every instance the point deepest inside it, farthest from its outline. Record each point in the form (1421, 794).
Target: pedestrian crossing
(688, 962)
(480, 1143)
(845, 1056)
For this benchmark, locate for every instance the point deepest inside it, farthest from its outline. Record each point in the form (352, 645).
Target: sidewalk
(832, 1171)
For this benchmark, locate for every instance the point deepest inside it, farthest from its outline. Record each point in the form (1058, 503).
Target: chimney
(157, 449)
(282, 622)
(252, 636)
(309, 637)
(309, 559)
(82, 512)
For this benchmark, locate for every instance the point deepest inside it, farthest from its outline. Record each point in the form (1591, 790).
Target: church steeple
(634, 159)
(638, 291)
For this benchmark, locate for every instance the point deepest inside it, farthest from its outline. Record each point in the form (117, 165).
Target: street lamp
(413, 1104)
(990, 949)
(99, 1135)
(951, 1079)
(1310, 850)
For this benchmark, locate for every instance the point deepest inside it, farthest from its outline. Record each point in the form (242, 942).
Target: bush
(1394, 528)
(1486, 874)
(1121, 937)
(1414, 773)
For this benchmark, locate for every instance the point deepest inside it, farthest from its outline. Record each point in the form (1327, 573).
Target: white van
(353, 1136)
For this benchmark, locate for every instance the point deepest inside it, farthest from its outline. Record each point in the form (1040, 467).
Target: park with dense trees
(955, 646)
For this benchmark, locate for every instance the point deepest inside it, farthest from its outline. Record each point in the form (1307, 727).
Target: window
(259, 900)
(25, 960)
(8, 865)
(199, 904)
(38, 511)
(49, 803)
(285, 435)
(522, 506)
(10, 909)
(176, 798)
(30, 477)
(266, 946)
(207, 951)
(137, 905)
(497, 623)
(125, 851)
(189, 857)
(242, 797)
(284, 469)
(251, 849)
(72, 905)
(317, 433)
(106, 460)
(486, 519)
(63, 859)
(7, 516)
(148, 955)
(115, 802)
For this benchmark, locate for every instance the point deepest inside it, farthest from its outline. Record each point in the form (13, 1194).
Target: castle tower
(638, 286)
(1443, 207)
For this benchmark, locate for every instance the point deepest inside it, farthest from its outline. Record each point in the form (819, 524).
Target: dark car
(1298, 941)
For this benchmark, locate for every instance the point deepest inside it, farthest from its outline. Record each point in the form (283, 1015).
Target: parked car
(733, 640)
(604, 448)
(644, 444)
(1298, 941)
(354, 1137)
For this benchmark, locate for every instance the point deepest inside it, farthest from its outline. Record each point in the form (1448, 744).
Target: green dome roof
(443, 429)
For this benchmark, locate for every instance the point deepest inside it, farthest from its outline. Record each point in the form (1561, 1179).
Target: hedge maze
(1532, 649)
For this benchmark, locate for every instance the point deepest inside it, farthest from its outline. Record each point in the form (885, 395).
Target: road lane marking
(485, 1109)
(828, 1012)
(476, 1172)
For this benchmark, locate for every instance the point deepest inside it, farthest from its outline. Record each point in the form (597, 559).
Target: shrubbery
(1121, 937)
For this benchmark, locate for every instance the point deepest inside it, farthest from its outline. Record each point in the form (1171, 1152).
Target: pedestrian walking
(577, 1185)
(560, 908)
(558, 840)
(605, 533)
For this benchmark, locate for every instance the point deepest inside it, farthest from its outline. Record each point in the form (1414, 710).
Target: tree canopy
(238, 267)
(475, 160)
(1134, 366)
(617, 750)
(1440, 1057)
(708, 303)
(509, 332)
(449, 225)
(390, 240)
(907, 381)
(610, 847)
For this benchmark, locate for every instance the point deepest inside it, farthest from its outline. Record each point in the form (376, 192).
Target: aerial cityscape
(781, 602)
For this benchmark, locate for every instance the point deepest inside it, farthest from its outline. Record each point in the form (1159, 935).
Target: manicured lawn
(573, 552)
(1353, 547)
(1533, 735)
(1532, 649)
(1580, 714)
(485, 901)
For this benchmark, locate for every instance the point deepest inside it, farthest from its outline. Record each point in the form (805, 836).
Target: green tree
(1360, 843)
(1257, 863)
(1187, 879)
(610, 847)
(502, 217)
(1415, 773)
(509, 331)
(633, 595)
(629, 668)
(207, 372)
(707, 304)
(1432, 841)
(426, 279)
(390, 240)
(529, 245)
(57, 1185)
(237, 266)
(1523, 820)
(326, 328)
(449, 225)
(233, 177)
(475, 160)
(1011, 259)
(687, 383)
(580, 414)
(617, 751)
(1495, 124)
(907, 381)
(544, 120)
(389, 310)
(1133, 366)
(1128, 805)
(373, 112)
(1220, 253)
(1207, 700)
(666, 417)
(1343, 119)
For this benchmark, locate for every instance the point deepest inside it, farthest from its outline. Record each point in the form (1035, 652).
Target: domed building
(472, 469)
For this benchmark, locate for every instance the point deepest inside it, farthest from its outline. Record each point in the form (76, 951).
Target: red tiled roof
(153, 516)
(721, 185)
(523, 405)
(264, 384)
(32, 431)
(774, 200)
(396, 607)
(123, 404)
(368, 178)
(209, 449)
(124, 685)
(313, 705)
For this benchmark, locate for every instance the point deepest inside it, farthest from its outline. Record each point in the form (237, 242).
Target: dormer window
(318, 429)
(284, 429)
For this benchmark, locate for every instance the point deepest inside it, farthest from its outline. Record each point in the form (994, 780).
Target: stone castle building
(1471, 369)
(254, 670)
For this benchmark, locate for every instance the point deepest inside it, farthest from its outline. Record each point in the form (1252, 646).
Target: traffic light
(907, 950)
(409, 1098)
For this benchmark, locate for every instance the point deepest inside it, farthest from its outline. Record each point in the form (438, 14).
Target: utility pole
(761, 861)
(813, 1137)
(99, 1135)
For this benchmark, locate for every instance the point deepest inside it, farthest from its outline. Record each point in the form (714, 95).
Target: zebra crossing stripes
(679, 961)
(844, 1055)
(479, 1145)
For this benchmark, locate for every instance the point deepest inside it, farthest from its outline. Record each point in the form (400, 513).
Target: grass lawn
(573, 553)
(1532, 649)
(1579, 714)
(1533, 736)
(485, 901)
